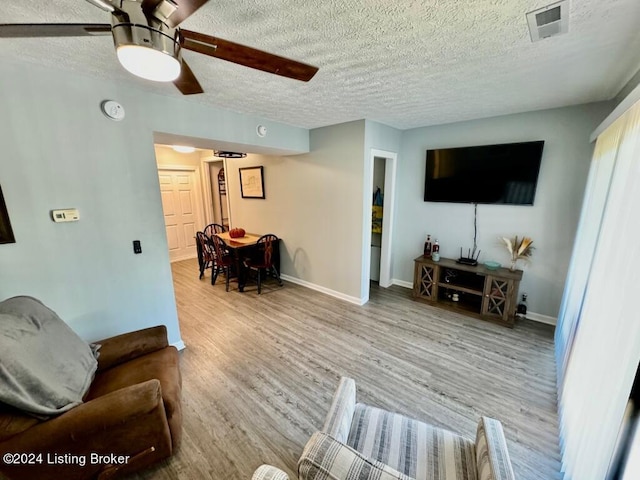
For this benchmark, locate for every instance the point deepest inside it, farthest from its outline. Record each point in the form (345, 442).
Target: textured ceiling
(405, 64)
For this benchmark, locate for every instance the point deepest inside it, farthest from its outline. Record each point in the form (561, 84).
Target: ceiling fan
(149, 42)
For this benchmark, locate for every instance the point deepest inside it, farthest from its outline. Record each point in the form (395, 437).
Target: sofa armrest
(340, 416)
(117, 433)
(326, 458)
(90, 419)
(492, 456)
(125, 347)
(268, 472)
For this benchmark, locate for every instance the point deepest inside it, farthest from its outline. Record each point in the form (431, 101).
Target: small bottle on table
(427, 247)
(435, 251)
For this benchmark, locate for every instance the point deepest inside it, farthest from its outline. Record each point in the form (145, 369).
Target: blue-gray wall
(59, 151)
(551, 222)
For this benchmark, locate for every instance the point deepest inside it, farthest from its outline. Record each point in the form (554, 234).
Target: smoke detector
(549, 21)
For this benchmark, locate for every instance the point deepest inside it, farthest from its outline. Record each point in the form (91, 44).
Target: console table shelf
(487, 294)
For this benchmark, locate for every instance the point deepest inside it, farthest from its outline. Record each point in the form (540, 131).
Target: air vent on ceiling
(549, 21)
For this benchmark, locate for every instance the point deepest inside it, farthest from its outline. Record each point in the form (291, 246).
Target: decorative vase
(518, 250)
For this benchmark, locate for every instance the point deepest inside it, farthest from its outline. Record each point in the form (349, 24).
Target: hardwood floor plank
(259, 373)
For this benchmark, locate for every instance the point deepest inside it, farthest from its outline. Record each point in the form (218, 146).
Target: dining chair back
(206, 257)
(224, 260)
(263, 259)
(213, 228)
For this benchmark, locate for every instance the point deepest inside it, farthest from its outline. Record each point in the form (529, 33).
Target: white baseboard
(328, 291)
(179, 345)
(401, 283)
(538, 317)
(185, 257)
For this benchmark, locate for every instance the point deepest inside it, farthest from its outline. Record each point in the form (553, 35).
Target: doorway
(219, 194)
(377, 217)
(389, 160)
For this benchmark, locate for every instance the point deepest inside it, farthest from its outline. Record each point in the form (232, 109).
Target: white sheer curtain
(598, 335)
(595, 199)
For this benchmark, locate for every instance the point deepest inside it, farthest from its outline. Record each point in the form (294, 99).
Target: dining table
(241, 248)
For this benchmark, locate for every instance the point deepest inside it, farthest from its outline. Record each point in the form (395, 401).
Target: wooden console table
(487, 294)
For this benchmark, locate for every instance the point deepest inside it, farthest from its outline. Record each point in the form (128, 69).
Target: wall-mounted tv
(503, 174)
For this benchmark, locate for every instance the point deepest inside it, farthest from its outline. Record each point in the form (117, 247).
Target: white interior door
(178, 190)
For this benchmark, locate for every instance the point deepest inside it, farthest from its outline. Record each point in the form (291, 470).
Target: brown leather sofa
(131, 417)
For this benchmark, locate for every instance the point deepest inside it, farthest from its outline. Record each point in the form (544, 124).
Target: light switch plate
(65, 215)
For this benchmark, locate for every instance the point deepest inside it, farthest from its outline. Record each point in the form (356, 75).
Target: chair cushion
(162, 365)
(414, 448)
(325, 458)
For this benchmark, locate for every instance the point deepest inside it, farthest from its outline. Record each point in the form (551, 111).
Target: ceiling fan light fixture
(148, 63)
(147, 52)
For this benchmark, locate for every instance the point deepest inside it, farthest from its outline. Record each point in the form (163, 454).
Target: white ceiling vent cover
(549, 21)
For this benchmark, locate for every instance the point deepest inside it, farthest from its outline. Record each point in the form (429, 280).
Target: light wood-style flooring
(259, 373)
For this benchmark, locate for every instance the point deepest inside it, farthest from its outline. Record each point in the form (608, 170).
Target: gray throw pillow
(45, 367)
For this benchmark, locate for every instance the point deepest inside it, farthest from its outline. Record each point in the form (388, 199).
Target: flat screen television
(502, 174)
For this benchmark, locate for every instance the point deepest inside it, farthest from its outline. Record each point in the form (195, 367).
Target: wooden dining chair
(206, 254)
(224, 260)
(262, 260)
(210, 230)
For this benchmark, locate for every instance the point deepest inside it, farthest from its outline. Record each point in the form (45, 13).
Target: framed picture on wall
(6, 233)
(251, 182)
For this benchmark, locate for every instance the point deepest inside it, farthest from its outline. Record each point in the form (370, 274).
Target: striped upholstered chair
(360, 442)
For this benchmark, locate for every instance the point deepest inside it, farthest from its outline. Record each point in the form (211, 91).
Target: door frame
(208, 192)
(386, 263)
(197, 186)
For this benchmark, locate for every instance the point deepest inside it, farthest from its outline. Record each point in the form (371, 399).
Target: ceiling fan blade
(173, 11)
(187, 82)
(247, 56)
(53, 29)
